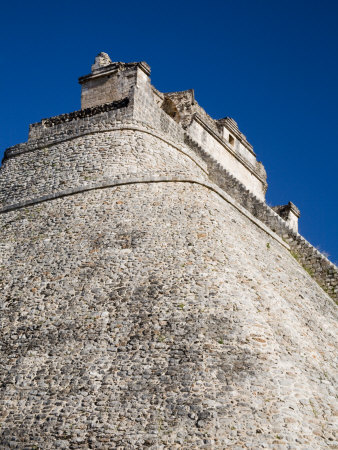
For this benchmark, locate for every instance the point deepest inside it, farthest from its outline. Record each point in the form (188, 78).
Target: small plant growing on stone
(294, 255)
(181, 305)
(268, 245)
(309, 271)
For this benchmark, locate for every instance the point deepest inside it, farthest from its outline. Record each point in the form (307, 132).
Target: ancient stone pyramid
(149, 296)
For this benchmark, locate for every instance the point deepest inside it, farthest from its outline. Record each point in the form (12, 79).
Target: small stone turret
(290, 213)
(110, 81)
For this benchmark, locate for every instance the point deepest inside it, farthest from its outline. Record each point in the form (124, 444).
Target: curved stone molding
(121, 152)
(138, 180)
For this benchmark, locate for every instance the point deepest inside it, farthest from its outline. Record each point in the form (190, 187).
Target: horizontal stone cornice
(139, 180)
(113, 68)
(318, 266)
(134, 126)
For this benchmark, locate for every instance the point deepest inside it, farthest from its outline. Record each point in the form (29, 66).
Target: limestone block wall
(67, 126)
(102, 145)
(111, 83)
(128, 150)
(317, 265)
(104, 90)
(158, 315)
(147, 109)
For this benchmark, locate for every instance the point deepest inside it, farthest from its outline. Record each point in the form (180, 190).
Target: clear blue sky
(272, 65)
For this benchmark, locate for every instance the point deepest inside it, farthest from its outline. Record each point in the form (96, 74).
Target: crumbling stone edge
(82, 113)
(323, 271)
(122, 182)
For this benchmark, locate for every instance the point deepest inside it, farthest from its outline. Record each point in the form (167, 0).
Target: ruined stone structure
(150, 298)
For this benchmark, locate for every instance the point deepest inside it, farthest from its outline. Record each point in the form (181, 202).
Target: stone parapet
(81, 114)
(69, 126)
(233, 150)
(248, 170)
(232, 126)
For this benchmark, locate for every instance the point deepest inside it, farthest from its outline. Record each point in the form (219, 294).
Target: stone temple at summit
(150, 298)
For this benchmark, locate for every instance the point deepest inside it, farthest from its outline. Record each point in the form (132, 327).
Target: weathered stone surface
(147, 296)
(290, 213)
(156, 313)
(123, 152)
(101, 60)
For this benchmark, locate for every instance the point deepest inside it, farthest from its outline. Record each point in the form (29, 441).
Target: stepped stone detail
(150, 298)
